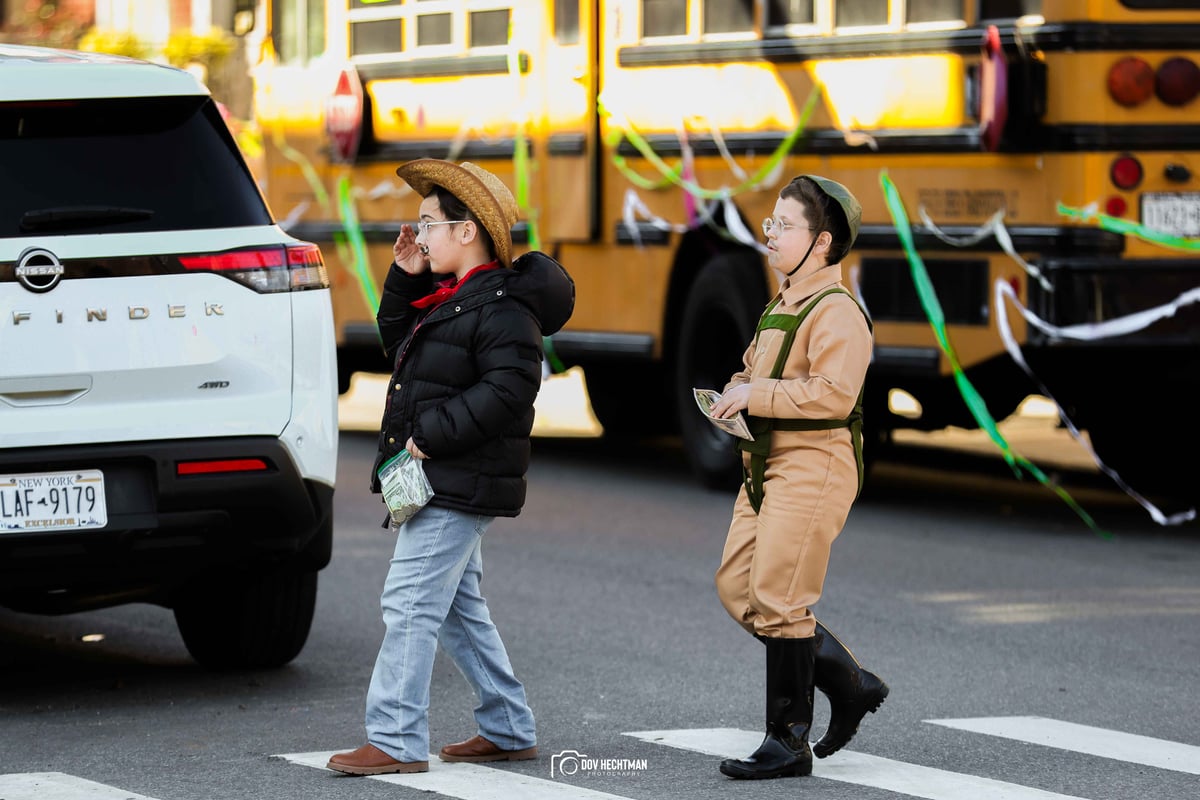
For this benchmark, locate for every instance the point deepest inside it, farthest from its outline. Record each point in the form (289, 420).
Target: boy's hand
(735, 400)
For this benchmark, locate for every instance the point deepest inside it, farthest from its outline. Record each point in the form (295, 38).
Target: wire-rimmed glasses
(424, 225)
(771, 224)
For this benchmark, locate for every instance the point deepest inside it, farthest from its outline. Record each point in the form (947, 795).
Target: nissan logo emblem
(39, 270)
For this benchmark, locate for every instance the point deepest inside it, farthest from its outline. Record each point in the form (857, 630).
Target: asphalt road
(974, 595)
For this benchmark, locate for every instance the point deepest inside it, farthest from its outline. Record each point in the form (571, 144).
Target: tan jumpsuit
(773, 567)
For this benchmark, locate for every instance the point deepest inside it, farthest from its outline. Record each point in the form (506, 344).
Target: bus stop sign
(343, 117)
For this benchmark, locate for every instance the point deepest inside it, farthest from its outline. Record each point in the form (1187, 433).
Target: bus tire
(719, 318)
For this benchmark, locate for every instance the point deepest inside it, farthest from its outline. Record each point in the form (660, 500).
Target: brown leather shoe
(370, 760)
(478, 749)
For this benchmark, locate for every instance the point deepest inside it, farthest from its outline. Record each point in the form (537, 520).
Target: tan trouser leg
(774, 563)
(733, 576)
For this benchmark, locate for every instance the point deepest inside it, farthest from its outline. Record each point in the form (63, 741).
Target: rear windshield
(170, 159)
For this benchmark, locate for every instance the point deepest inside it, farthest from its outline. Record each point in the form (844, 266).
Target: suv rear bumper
(164, 528)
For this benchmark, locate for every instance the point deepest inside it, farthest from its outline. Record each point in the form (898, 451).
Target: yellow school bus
(1050, 148)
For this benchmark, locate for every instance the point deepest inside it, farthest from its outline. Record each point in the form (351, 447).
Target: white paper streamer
(733, 224)
(993, 227)
(633, 207)
(294, 215)
(860, 139)
(734, 167)
(1099, 330)
(385, 188)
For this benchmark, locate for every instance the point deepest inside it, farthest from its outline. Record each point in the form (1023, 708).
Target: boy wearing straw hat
(462, 323)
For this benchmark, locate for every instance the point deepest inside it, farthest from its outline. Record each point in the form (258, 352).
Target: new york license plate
(1177, 213)
(52, 501)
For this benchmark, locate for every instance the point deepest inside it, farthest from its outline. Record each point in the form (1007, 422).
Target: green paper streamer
(937, 320)
(521, 166)
(318, 189)
(1118, 225)
(354, 255)
(349, 216)
(674, 175)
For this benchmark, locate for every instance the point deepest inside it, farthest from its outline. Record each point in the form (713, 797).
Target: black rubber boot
(852, 691)
(784, 751)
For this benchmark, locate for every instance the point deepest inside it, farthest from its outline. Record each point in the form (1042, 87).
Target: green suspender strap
(761, 427)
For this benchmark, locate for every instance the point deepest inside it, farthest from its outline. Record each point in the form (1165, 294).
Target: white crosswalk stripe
(59, 786)
(1085, 739)
(858, 768)
(486, 782)
(470, 781)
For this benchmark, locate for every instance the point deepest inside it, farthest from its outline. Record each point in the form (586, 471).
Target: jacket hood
(540, 283)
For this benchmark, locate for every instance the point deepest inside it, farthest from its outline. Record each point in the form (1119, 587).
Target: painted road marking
(858, 768)
(1116, 745)
(59, 786)
(468, 781)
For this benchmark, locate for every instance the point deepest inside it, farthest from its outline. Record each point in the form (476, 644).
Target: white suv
(168, 407)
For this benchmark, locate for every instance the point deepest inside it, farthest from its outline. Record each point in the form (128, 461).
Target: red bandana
(448, 287)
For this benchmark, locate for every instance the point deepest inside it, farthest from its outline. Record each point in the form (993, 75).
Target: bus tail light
(1131, 81)
(266, 270)
(1126, 173)
(1115, 206)
(344, 117)
(1177, 82)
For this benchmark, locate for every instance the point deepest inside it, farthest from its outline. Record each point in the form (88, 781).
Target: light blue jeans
(432, 594)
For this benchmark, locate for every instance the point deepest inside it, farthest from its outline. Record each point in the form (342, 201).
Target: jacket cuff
(401, 282)
(761, 392)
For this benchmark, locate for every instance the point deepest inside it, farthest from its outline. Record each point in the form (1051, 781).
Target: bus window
(664, 18)
(298, 30)
(376, 36)
(434, 30)
(488, 28)
(730, 17)
(785, 13)
(860, 13)
(697, 19)
(1008, 9)
(379, 27)
(921, 11)
(566, 21)
(1146, 5)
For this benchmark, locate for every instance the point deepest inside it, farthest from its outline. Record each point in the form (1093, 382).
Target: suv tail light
(220, 465)
(266, 269)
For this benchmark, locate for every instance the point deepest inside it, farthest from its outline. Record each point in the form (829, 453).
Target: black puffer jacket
(465, 377)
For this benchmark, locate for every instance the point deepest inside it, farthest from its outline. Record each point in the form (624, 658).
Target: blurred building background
(212, 38)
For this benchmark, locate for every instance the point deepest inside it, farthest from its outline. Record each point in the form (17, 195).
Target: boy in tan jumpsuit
(801, 387)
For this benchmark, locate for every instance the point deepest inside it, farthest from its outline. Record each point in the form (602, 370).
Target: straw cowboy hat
(486, 195)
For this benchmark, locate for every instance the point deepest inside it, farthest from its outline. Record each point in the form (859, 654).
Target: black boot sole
(738, 772)
(824, 748)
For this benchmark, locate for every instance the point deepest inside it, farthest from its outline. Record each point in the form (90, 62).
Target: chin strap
(806, 254)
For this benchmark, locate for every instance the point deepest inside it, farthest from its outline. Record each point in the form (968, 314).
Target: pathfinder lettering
(135, 312)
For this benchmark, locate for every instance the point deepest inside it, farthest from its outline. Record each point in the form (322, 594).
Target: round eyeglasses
(770, 224)
(424, 225)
